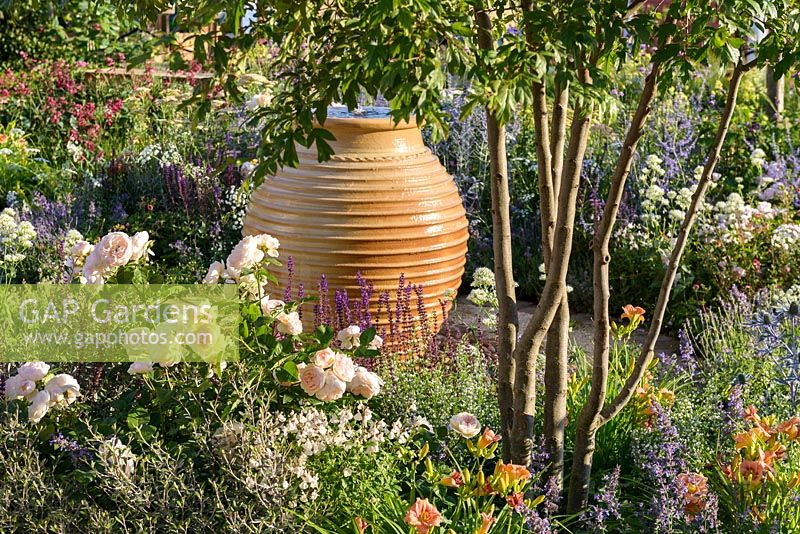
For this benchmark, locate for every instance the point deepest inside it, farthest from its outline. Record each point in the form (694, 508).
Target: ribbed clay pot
(383, 205)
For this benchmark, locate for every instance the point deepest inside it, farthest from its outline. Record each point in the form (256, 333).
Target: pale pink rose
(268, 305)
(312, 378)
(465, 424)
(376, 343)
(343, 367)
(80, 249)
(269, 244)
(18, 386)
(349, 338)
(34, 371)
(289, 323)
(38, 407)
(63, 389)
(139, 242)
(365, 383)
(215, 272)
(245, 255)
(332, 389)
(115, 248)
(140, 368)
(324, 358)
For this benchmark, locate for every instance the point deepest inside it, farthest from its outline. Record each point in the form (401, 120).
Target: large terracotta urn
(383, 206)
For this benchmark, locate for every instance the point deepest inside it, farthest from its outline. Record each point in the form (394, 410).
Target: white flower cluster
(484, 294)
(733, 219)
(272, 454)
(786, 237)
(161, 154)
(784, 298)
(15, 236)
(758, 158)
(330, 373)
(98, 262)
(59, 390)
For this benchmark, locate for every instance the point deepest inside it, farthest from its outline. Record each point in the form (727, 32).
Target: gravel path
(467, 314)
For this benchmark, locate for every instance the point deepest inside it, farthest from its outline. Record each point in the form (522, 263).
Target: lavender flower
(606, 504)
(77, 454)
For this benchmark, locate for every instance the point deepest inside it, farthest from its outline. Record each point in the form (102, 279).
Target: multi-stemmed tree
(556, 58)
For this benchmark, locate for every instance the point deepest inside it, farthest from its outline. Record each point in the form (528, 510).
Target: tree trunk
(556, 381)
(588, 418)
(775, 93)
(507, 320)
(527, 350)
(556, 372)
(589, 422)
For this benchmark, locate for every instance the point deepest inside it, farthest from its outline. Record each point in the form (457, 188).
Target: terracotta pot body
(383, 205)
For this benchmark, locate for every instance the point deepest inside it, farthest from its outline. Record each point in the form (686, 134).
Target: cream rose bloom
(38, 407)
(365, 383)
(140, 368)
(324, 358)
(465, 424)
(18, 386)
(259, 101)
(139, 243)
(245, 255)
(215, 272)
(312, 378)
(116, 249)
(376, 343)
(289, 323)
(332, 389)
(81, 249)
(349, 337)
(268, 304)
(63, 389)
(117, 456)
(34, 371)
(343, 367)
(269, 244)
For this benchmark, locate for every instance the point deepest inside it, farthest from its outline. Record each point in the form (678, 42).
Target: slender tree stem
(507, 322)
(625, 394)
(588, 418)
(527, 350)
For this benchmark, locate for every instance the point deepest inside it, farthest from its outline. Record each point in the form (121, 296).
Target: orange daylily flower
(744, 440)
(515, 499)
(791, 428)
(455, 480)
(694, 498)
(513, 471)
(751, 414)
(632, 313)
(486, 523)
(423, 516)
(361, 525)
(487, 438)
(752, 471)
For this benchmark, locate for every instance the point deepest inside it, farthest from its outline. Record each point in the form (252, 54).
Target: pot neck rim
(369, 119)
